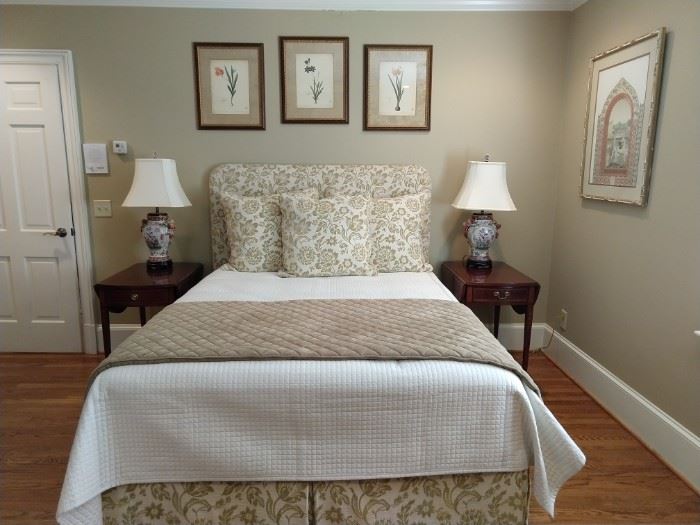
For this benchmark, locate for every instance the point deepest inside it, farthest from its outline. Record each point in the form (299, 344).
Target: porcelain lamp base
(158, 230)
(480, 230)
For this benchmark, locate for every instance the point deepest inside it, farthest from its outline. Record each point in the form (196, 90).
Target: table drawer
(500, 295)
(140, 297)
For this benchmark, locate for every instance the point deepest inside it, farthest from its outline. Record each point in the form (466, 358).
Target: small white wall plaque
(95, 158)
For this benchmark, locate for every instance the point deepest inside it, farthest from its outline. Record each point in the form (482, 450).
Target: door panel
(39, 306)
(7, 295)
(45, 284)
(3, 222)
(24, 95)
(31, 174)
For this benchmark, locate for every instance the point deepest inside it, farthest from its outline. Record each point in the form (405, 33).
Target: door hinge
(72, 232)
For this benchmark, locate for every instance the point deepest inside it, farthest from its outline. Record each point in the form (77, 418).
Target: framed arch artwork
(623, 100)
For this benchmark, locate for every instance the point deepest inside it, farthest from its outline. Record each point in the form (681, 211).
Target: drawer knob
(134, 296)
(501, 296)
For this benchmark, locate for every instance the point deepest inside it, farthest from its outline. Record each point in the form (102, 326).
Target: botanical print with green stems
(396, 81)
(231, 78)
(230, 87)
(316, 86)
(314, 82)
(397, 88)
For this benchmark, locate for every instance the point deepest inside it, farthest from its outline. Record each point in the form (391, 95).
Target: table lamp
(156, 185)
(484, 188)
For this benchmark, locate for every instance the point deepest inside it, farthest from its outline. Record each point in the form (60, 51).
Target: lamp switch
(102, 208)
(119, 147)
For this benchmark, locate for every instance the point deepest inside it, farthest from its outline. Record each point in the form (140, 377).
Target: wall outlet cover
(119, 147)
(563, 319)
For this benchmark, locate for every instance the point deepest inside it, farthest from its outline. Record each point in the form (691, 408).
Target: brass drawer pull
(134, 296)
(501, 296)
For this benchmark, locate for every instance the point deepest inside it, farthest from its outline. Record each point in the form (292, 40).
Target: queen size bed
(261, 399)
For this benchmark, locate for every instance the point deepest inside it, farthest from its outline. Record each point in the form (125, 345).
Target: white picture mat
(220, 96)
(323, 65)
(387, 95)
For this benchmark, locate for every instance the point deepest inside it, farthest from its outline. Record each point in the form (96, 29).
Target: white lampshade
(485, 188)
(156, 185)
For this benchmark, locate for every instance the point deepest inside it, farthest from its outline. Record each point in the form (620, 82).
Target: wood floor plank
(41, 396)
(622, 482)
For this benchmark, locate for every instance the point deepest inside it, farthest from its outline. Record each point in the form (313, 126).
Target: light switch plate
(102, 208)
(119, 147)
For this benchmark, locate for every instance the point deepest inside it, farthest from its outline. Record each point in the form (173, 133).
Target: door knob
(60, 232)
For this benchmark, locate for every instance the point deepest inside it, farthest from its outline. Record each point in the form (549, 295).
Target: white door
(39, 301)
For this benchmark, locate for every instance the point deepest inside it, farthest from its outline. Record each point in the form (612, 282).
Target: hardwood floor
(41, 396)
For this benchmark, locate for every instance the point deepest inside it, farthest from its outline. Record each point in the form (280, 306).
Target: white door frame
(63, 60)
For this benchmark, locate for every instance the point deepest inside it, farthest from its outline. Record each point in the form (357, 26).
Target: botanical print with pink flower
(230, 87)
(397, 88)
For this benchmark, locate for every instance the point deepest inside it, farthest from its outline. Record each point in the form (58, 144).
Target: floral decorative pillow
(397, 233)
(253, 230)
(324, 237)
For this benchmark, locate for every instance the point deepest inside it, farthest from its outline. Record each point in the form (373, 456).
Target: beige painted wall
(630, 277)
(497, 83)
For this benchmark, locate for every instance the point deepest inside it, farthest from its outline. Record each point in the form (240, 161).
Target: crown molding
(328, 5)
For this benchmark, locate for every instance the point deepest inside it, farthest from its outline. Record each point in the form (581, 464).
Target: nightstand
(135, 286)
(501, 285)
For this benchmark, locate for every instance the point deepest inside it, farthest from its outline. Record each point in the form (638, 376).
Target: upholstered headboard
(376, 180)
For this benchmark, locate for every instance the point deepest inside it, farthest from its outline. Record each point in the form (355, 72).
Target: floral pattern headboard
(376, 180)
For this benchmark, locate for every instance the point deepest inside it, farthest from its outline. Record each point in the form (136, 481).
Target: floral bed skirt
(460, 499)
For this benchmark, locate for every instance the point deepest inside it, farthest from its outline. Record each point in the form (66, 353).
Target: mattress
(310, 420)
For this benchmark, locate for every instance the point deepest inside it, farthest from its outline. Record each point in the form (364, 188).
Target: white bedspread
(309, 420)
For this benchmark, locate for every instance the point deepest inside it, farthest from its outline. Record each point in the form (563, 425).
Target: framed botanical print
(229, 85)
(314, 80)
(623, 100)
(397, 87)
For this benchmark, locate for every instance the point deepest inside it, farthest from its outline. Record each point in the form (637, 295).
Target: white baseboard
(119, 332)
(511, 335)
(677, 446)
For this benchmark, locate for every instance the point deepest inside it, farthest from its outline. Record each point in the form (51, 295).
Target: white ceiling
(332, 5)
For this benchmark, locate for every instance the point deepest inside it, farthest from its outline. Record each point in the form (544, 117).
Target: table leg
(496, 319)
(106, 339)
(528, 332)
(142, 315)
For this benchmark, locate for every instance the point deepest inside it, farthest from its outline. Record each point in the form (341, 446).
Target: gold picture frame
(397, 86)
(229, 85)
(620, 125)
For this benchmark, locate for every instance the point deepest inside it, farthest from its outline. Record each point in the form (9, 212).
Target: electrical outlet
(102, 208)
(563, 319)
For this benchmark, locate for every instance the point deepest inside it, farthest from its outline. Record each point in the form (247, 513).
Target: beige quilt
(376, 329)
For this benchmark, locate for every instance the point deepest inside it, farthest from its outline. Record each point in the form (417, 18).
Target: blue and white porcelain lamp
(485, 189)
(156, 185)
